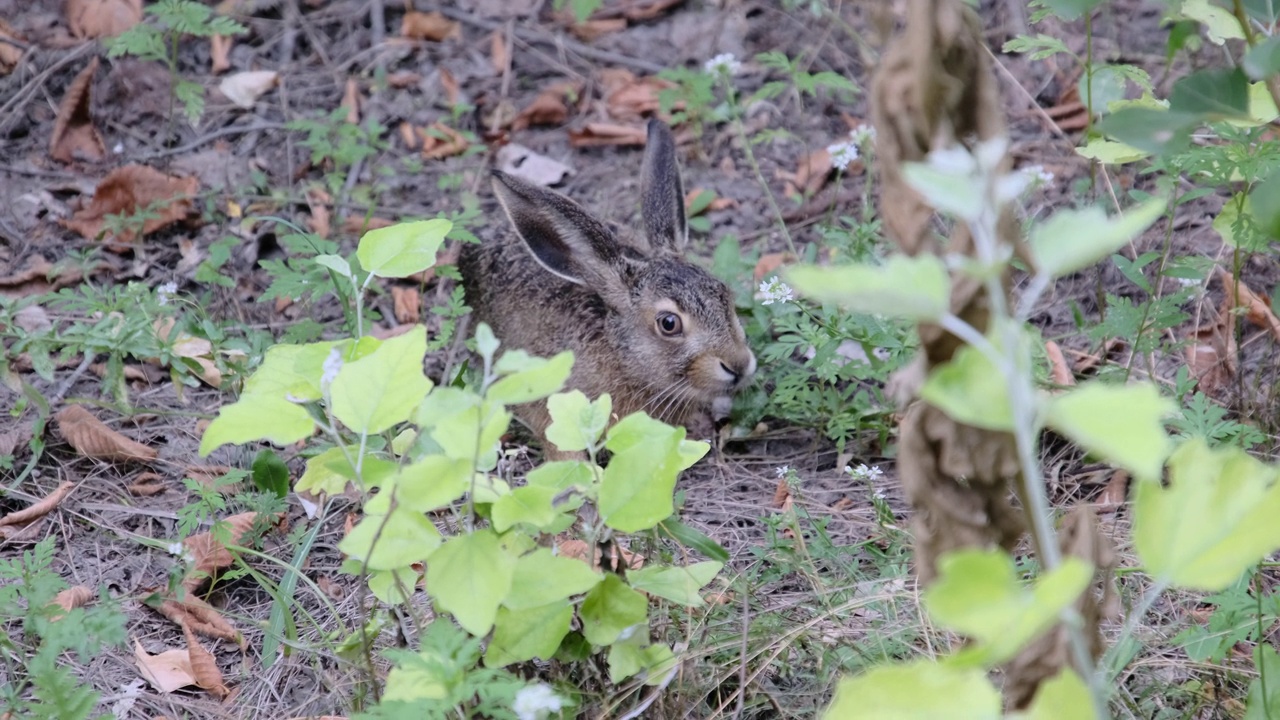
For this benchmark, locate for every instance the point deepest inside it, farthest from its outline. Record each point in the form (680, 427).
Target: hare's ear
(563, 237)
(661, 192)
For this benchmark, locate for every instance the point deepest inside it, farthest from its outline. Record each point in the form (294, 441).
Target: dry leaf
(431, 26)
(577, 549)
(73, 597)
(147, 484)
(207, 475)
(407, 302)
(168, 671)
(782, 493)
(499, 56)
(1113, 495)
(842, 505)
(548, 108)
(244, 88)
(401, 79)
(318, 201)
(351, 101)
(440, 141)
(526, 164)
(359, 225)
(635, 97)
(10, 52)
(91, 438)
(1257, 308)
(74, 136)
(148, 374)
(810, 176)
(39, 509)
(409, 135)
(220, 53)
(769, 263)
(200, 617)
(1059, 372)
(599, 134)
(204, 668)
(210, 555)
(14, 438)
(593, 29)
(102, 18)
(1212, 355)
(130, 189)
(452, 93)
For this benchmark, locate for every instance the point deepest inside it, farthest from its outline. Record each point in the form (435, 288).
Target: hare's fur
(563, 281)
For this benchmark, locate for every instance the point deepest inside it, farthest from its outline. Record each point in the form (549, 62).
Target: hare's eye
(669, 324)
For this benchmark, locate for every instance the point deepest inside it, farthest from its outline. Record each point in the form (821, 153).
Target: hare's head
(672, 322)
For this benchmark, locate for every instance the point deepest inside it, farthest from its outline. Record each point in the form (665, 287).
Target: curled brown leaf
(41, 508)
(91, 438)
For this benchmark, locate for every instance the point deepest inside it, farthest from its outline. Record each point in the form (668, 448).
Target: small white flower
(165, 292)
(954, 160)
(863, 472)
(119, 148)
(535, 702)
(878, 495)
(842, 154)
(724, 63)
(862, 135)
(331, 366)
(782, 471)
(1009, 187)
(176, 548)
(1038, 175)
(775, 291)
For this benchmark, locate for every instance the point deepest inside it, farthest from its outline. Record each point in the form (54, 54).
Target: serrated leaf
(534, 382)
(978, 594)
(535, 632)
(576, 422)
(915, 288)
(1123, 424)
(1072, 240)
(970, 390)
(1214, 520)
(922, 689)
(402, 538)
(543, 577)
(677, 584)
(403, 249)
(610, 608)
(469, 576)
(375, 392)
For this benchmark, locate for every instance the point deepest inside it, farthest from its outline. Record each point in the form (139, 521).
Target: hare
(656, 332)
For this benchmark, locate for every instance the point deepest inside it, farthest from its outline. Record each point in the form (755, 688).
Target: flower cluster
(535, 702)
(842, 154)
(775, 291)
(724, 63)
(165, 292)
(865, 472)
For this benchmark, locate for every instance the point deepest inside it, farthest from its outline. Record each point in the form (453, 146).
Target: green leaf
(486, 342)
(469, 576)
(473, 433)
(635, 656)
(432, 483)
(951, 191)
(1072, 240)
(636, 491)
(693, 539)
(1263, 60)
(1219, 23)
(1216, 518)
(1110, 152)
(978, 594)
(1149, 130)
(1071, 9)
(577, 422)
(970, 390)
(562, 475)
(610, 608)
(1260, 705)
(1214, 94)
(1262, 108)
(257, 417)
(375, 392)
(534, 382)
(530, 504)
(335, 263)
(535, 632)
(1264, 202)
(402, 538)
(915, 288)
(1062, 697)
(330, 471)
(542, 577)
(393, 586)
(1104, 85)
(1264, 11)
(292, 371)
(1123, 424)
(404, 249)
(677, 584)
(919, 690)
(270, 474)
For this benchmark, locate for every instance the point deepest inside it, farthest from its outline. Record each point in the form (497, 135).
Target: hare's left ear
(661, 192)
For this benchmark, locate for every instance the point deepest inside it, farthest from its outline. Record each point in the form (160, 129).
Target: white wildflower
(724, 63)
(862, 135)
(842, 154)
(864, 472)
(176, 548)
(165, 292)
(331, 366)
(1038, 175)
(775, 291)
(782, 471)
(535, 702)
(1010, 187)
(954, 160)
(878, 495)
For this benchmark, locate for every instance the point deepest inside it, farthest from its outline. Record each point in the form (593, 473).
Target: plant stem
(755, 166)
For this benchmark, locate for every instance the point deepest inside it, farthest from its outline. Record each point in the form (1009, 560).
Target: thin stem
(755, 166)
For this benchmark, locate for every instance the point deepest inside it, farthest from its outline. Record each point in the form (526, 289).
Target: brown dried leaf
(401, 79)
(147, 484)
(39, 509)
(1257, 308)
(244, 88)
(318, 201)
(210, 555)
(782, 493)
(600, 134)
(359, 225)
(207, 475)
(593, 29)
(630, 99)
(204, 668)
(130, 189)
(102, 18)
(74, 136)
(73, 597)
(1113, 495)
(1212, 356)
(717, 204)
(407, 302)
(200, 617)
(810, 175)
(1059, 372)
(168, 671)
(220, 53)
(409, 135)
(91, 438)
(440, 141)
(452, 91)
(499, 56)
(769, 263)
(548, 108)
(17, 437)
(575, 548)
(351, 101)
(11, 51)
(431, 26)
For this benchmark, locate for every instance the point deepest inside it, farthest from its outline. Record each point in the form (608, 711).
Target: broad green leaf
(525, 634)
(562, 475)
(1215, 519)
(690, 452)
(1150, 130)
(978, 594)
(270, 474)
(410, 681)
(1062, 697)
(677, 584)
(1219, 23)
(257, 417)
(915, 288)
(486, 342)
(473, 434)
(530, 504)
(330, 471)
(442, 404)
(1250, 235)
(1103, 86)
(1071, 9)
(487, 489)
(952, 191)
(402, 538)
(469, 576)
(1260, 705)
(693, 539)
(533, 383)
(638, 484)
(403, 249)
(1110, 152)
(1264, 11)
(1072, 240)
(1215, 94)
(1122, 424)
(391, 586)
(542, 577)
(970, 390)
(1264, 201)
(434, 482)
(635, 657)
(576, 421)
(1262, 108)
(375, 392)
(335, 263)
(921, 690)
(291, 371)
(610, 608)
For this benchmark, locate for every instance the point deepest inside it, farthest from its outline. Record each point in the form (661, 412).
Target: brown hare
(657, 333)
